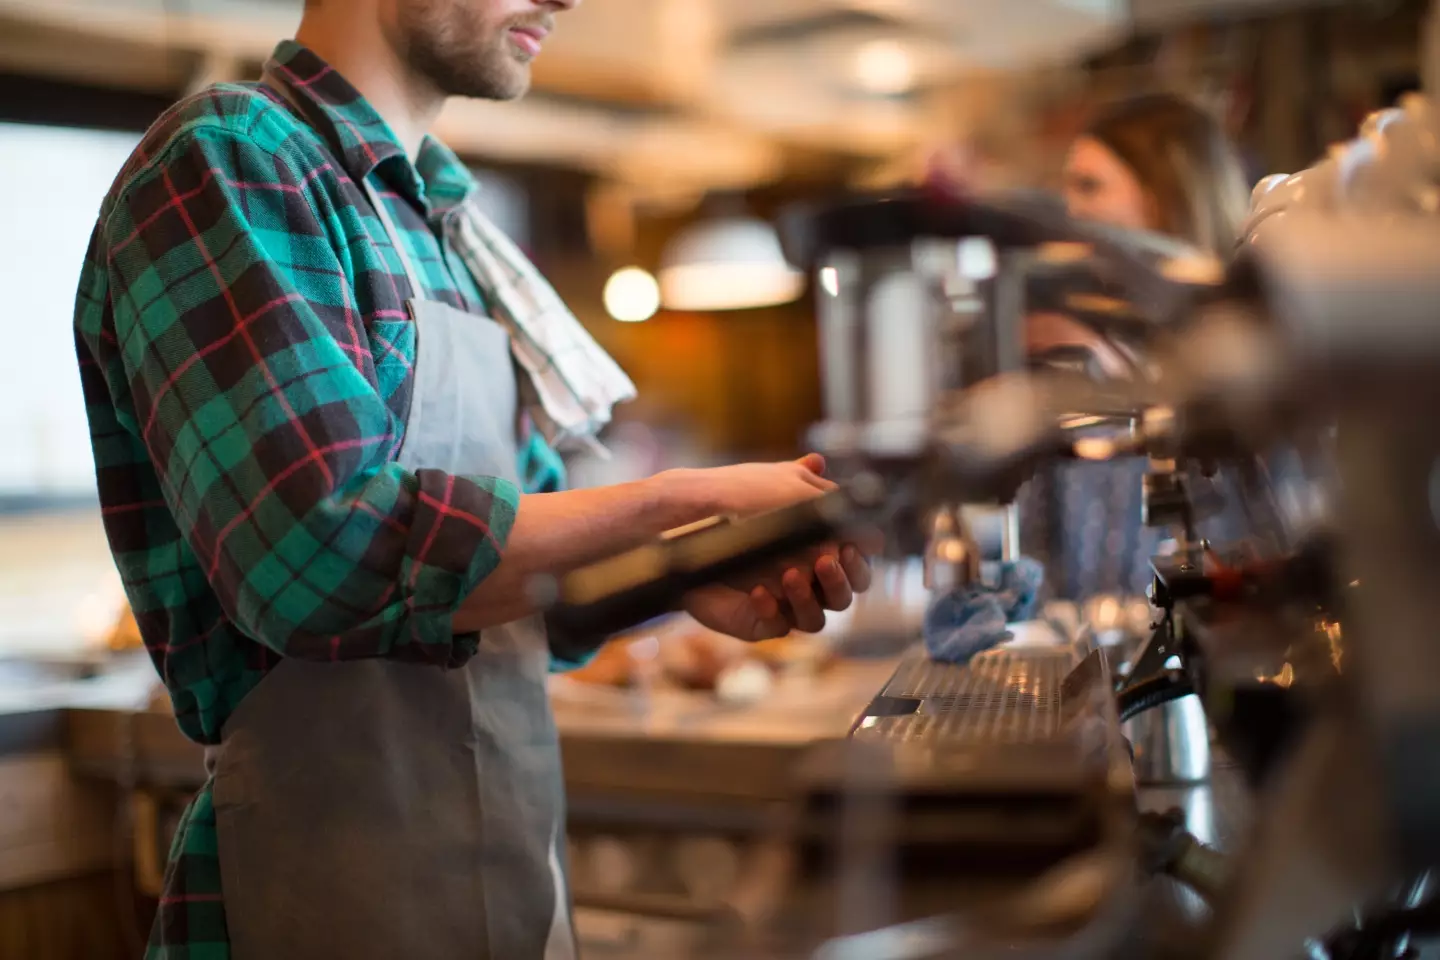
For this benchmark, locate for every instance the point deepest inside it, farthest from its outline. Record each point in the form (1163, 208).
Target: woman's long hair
(1186, 163)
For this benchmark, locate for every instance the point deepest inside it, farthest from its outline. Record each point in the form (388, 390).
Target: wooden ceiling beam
(63, 54)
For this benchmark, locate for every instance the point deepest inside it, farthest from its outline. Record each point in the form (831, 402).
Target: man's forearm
(557, 532)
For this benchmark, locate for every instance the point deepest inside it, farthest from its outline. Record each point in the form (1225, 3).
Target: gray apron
(373, 809)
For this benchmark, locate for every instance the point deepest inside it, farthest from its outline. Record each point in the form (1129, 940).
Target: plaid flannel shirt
(247, 365)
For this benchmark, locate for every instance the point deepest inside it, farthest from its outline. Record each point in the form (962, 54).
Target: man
(316, 377)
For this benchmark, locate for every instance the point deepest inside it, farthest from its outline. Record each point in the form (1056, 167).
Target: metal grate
(1002, 697)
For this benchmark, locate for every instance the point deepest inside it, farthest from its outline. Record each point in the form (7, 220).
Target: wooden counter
(684, 743)
(650, 778)
(660, 775)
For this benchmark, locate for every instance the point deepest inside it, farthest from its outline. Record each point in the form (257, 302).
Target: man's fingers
(812, 471)
(805, 610)
(815, 478)
(814, 463)
(770, 622)
(765, 604)
(856, 567)
(834, 584)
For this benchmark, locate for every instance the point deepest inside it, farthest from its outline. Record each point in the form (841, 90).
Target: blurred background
(657, 132)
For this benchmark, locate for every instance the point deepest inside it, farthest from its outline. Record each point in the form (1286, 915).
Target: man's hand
(830, 584)
(796, 596)
(748, 489)
(557, 532)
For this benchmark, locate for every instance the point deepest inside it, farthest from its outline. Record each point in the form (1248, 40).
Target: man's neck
(355, 48)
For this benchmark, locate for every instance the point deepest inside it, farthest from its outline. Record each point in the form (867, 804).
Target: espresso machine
(988, 776)
(988, 810)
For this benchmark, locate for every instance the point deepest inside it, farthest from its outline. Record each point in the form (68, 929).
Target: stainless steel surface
(839, 321)
(877, 373)
(990, 526)
(1010, 549)
(1001, 697)
(952, 557)
(1171, 743)
(1217, 813)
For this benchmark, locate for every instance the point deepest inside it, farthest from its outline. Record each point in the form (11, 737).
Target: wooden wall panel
(81, 918)
(61, 894)
(52, 826)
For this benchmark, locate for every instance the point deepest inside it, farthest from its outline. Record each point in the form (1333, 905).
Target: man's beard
(456, 51)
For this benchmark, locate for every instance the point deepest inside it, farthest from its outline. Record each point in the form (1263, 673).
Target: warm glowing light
(632, 295)
(1094, 448)
(884, 67)
(830, 281)
(730, 286)
(727, 264)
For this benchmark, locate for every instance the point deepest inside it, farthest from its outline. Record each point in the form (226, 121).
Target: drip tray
(1016, 721)
(964, 784)
(1004, 697)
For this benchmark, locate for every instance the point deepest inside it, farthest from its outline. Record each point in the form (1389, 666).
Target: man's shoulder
(226, 113)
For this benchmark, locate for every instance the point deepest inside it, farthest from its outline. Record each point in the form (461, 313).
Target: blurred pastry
(692, 657)
(744, 683)
(612, 666)
(695, 658)
(797, 653)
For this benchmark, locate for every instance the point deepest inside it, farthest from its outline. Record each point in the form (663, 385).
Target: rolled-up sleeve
(256, 397)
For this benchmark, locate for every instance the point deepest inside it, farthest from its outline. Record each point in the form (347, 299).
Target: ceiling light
(884, 68)
(727, 264)
(631, 295)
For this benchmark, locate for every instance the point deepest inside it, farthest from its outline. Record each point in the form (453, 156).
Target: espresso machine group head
(917, 300)
(923, 297)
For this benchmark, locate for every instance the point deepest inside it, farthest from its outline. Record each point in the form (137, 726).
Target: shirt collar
(448, 182)
(360, 137)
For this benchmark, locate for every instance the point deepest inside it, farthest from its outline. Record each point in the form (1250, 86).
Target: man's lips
(529, 39)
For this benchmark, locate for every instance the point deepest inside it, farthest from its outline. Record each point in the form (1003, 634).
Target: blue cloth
(970, 620)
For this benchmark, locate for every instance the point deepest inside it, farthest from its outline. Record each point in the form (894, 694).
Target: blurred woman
(1160, 163)
(1157, 163)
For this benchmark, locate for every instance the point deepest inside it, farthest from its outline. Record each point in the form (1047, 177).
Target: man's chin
(520, 77)
(519, 89)
(514, 85)
(510, 83)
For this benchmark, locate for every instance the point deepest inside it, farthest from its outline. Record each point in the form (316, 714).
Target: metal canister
(1171, 743)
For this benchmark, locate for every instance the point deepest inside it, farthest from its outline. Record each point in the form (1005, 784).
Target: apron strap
(382, 212)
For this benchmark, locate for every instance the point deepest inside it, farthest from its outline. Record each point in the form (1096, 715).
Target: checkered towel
(573, 383)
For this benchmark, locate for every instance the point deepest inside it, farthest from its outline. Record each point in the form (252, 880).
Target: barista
(326, 398)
